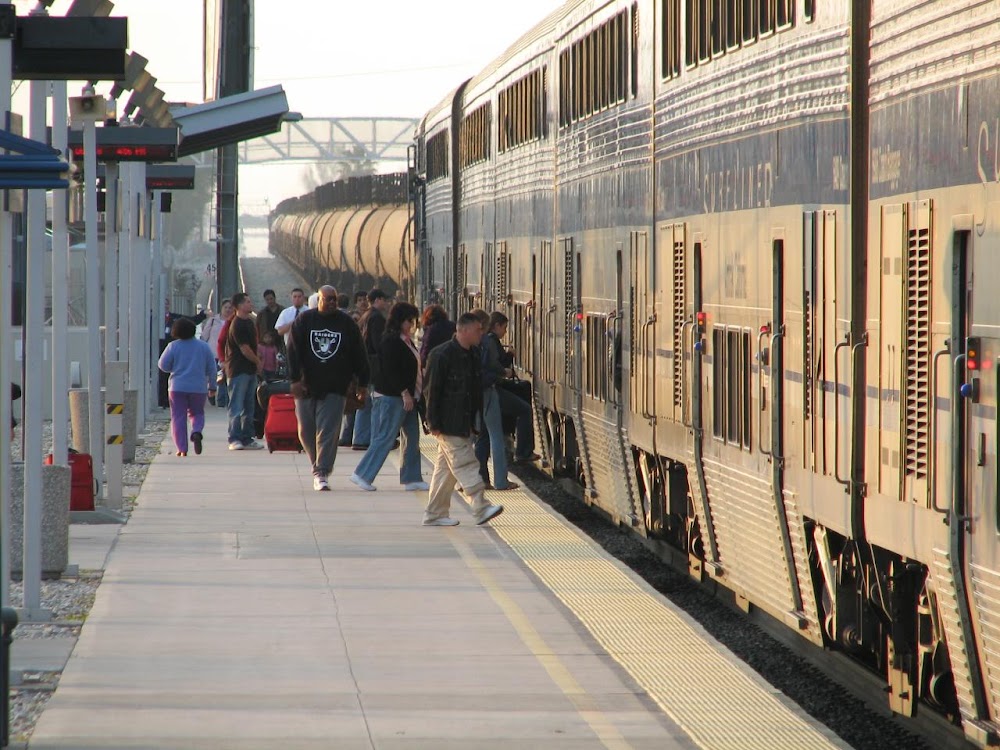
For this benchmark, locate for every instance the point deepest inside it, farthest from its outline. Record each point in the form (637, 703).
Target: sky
(334, 58)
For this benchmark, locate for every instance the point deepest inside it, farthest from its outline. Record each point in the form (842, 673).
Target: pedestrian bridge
(319, 139)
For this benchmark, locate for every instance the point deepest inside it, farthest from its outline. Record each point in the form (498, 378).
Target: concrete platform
(241, 609)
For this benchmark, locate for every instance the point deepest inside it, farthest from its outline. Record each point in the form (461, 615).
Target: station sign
(160, 177)
(129, 144)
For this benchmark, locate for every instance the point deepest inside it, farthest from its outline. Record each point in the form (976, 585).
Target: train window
(784, 13)
(718, 382)
(717, 22)
(809, 10)
(521, 111)
(704, 30)
(734, 20)
(733, 386)
(765, 17)
(749, 21)
(746, 391)
(437, 156)
(670, 51)
(474, 136)
(594, 71)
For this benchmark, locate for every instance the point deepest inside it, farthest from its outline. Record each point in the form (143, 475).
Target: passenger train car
(748, 250)
(739, 243)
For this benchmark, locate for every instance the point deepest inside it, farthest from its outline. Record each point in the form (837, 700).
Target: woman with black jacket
(395, 392)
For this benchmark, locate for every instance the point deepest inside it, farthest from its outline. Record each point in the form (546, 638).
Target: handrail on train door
(863, 344)
(836, 409)
(934, 426)
(614, 322)
(646, 379)
(551, 370)
(778, 335)
(683, 370)
(956, 404)
(764, 330)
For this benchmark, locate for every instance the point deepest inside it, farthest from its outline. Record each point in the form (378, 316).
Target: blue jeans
(242, 402)
(491, 440)
(520, 409)
(388, 416)
(363, 422)
(222, 394)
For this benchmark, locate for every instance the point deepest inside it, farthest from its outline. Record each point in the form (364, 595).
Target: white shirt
(288, 315)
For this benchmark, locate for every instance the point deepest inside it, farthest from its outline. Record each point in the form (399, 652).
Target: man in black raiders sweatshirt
(325, 354)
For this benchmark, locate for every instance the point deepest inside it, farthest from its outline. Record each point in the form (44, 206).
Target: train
(746, 248)
(354, 233)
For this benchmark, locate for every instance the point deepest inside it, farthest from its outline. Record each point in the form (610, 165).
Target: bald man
(325, 354)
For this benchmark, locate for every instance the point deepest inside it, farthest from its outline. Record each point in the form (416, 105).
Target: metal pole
(95, 416)
(111, 262)
(6, 338)
(137, 294)
(156, 293)
(60, 289)
(124, 259)
(34, 329)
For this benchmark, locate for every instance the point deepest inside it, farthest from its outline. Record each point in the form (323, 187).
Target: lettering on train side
(736, 276)
(739, 188)
(840, 173)
(886, 167)
(987, 156)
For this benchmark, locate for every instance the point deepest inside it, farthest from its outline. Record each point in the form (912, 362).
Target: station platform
(241, 609)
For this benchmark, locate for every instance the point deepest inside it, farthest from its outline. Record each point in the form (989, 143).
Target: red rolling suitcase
(281, 428)
(82, 485)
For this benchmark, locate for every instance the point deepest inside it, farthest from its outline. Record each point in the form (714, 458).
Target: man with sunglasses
(325, 354)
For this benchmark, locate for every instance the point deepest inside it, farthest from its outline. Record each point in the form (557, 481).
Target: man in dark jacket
(453, 394)
(325, 354)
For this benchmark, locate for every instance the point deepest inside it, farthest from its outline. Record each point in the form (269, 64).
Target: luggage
(281, 428)
(82, 484)
(264, 392)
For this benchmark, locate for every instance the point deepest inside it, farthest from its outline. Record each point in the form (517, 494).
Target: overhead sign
(160, 177)
(129, 144)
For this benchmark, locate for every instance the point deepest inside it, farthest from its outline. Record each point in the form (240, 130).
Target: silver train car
(747, 247)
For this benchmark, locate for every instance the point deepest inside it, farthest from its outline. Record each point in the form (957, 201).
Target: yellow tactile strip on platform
(718, 704)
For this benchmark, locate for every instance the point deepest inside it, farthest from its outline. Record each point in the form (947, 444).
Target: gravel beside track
(818, 695)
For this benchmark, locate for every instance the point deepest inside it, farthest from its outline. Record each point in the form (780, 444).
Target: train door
(487, 279)
(826, 348)
(973, 521)
(693, 373)
(775, 448)
(642, 392)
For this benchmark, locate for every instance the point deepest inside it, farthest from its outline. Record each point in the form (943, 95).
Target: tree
(353, 161)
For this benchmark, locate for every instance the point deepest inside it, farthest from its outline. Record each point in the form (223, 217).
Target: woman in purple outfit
(191, 364)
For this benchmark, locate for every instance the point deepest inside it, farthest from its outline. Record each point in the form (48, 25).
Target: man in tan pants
(454, 395)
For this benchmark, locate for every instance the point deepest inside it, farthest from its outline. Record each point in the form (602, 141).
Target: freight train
(747, 248)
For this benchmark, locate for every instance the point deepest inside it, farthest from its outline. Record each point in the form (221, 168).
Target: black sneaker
(196, 439)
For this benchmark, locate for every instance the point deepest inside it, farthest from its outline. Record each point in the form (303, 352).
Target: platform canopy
(230, 119)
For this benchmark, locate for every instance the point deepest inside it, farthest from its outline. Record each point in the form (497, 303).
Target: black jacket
(434, 335)
(372, 326)
(453, 391)
(397, 370)
(326, 352)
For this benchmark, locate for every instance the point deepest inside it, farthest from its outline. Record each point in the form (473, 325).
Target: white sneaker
(236, 445)
(416, 486)
(320, 484)
(444, 521)
(362, 483)
(253, 445)
(491, 512)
